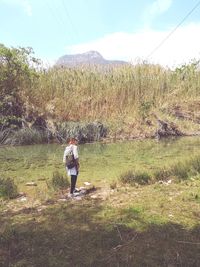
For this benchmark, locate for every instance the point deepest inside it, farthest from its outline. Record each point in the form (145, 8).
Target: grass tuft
(133, 178)
(59, 181)
(8, 188)
(182, 170)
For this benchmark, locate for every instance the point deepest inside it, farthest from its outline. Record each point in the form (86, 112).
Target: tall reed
(85, 94)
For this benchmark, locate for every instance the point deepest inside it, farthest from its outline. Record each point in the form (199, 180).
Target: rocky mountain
(89, 58)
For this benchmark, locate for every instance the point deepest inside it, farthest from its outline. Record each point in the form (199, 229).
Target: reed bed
(86, 94)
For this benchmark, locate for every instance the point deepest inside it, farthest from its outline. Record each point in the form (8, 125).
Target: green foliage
(8, 188)
(145, 108)
(17, 70)
(187, 69)
(132, 178)
(59, 181)
(26, 136)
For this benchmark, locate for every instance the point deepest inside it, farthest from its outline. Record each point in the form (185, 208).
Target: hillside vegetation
(128, 99)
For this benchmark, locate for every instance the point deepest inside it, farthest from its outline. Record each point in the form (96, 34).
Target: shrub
(180, 170)
(4, 135)
(8, 189)
(84, 132)
(162, 174)
(144, 109)
(131, 177)
(58, 181)
(27, 136)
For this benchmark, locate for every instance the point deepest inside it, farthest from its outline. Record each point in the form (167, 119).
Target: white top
(68, 149)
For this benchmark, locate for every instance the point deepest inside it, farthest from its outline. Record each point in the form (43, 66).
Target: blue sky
(118, 29)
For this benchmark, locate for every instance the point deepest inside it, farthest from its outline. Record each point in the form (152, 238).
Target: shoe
(75, 194)
(76, 190)
(70, 195)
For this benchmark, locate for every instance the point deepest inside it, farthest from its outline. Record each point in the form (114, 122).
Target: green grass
(181, 170)
(157, 221)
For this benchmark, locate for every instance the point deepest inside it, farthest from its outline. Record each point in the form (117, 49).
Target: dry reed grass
(85, 94)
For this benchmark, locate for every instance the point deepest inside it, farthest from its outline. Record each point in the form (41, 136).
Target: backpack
(70, 160)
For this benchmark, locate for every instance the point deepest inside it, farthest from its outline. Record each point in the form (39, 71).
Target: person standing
(71, 160)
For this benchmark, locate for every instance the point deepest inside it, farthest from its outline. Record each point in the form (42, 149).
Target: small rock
(62, 199)
(41, 208)
(86, 183)
(78, 198)
(22, 199)
(21, 194)
(31, 184)
(94, 196)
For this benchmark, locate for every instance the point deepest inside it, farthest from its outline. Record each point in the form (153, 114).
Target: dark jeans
(73, 183)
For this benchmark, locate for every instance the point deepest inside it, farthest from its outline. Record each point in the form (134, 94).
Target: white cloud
(182, 46)
(24, 4)
(160, 6)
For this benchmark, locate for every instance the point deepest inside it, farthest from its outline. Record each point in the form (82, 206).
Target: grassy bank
(154, 225)
(147, 224)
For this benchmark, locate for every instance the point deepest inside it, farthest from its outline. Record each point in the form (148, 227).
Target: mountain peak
(93, 54)
(88, 58)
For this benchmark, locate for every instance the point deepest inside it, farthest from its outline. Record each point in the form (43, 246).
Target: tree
(17, 71)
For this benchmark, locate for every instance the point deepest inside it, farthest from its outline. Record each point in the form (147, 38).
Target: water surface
(100, 163)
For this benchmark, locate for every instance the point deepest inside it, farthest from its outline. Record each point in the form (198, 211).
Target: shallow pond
(100, 163)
